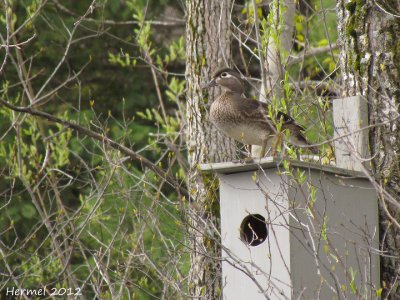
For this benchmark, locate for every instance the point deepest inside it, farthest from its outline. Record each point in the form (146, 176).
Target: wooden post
(350, 117)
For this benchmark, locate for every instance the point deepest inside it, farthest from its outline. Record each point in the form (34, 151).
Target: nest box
(297, 231)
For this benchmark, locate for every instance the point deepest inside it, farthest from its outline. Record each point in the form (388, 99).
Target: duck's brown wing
(258, 112)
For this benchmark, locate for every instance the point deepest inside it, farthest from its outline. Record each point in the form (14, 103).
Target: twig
(177, 22)
(311, 52)
(107, 141)
(385, 10)
(7, 43)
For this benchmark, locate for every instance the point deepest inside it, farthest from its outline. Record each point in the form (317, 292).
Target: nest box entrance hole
(253, 230)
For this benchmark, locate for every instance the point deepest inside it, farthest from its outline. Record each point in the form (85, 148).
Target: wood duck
(247, 120)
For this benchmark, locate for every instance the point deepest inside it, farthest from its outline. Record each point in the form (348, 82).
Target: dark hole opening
(253, 230)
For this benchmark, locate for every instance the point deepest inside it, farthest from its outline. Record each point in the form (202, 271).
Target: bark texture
(369, 33)
(208, 48)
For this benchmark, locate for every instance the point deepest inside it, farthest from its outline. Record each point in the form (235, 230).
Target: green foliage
(121, 60)
(353, 286)
(319, 36)
(85, 208)
(84, 212)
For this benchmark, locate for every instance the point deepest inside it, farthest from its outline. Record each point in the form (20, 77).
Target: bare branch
(311, 52)
(107, 141)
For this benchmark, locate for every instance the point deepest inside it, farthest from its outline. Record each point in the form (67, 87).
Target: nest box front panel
(255, 238)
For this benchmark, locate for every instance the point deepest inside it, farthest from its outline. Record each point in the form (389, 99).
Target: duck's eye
(224, 75)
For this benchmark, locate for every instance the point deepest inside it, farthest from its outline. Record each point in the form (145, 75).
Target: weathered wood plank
(350, 117)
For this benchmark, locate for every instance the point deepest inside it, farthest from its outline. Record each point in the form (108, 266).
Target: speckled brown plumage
(247, 120)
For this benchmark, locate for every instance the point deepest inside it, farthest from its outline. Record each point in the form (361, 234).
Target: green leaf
(352, 282)
(322, 42)
(28, 211)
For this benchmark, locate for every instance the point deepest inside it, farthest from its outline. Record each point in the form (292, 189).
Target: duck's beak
(210, 84)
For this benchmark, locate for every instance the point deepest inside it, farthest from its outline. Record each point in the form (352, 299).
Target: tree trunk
(208, 48)
(369, 33)
(279, 44)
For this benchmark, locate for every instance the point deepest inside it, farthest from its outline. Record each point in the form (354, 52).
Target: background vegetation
(76, 213)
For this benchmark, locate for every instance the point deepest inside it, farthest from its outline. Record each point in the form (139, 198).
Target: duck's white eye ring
(224, 75)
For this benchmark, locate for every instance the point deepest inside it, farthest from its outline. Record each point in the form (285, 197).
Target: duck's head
(228, 79)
